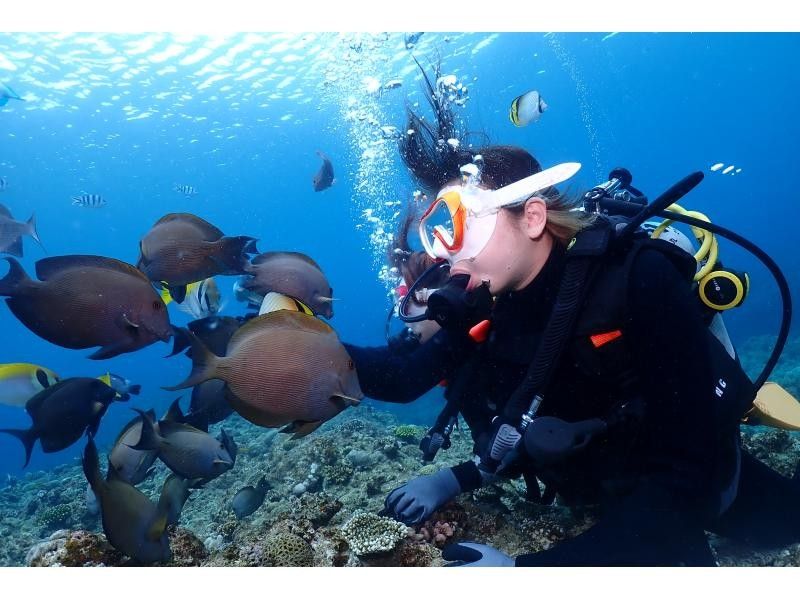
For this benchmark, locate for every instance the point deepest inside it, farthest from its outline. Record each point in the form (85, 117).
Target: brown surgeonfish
(61, 413)
(133, 524)
(293, 274)
(12, 231)
(283, 368)
(83, 301)
(183, 248)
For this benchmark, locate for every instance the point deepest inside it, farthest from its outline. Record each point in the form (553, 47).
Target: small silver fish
(185, 189)
(89, 200)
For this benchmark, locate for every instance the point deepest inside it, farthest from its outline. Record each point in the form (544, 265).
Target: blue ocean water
(241, 117)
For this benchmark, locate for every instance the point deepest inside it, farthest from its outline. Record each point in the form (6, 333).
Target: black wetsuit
(661, 482)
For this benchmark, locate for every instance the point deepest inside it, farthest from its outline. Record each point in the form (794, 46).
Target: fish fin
(174, 413)
(177, 292)
(149, 440)
(181, 340)
(327, 299)
(113, 473)
(208, 229)
(343, 401)
(299, 428)
(51, 266)
(105, 378)
(4, 211)
(234, 253)
(27, 438)
(229, 443)
(282, 319)
(204, 364)
(109, 351)
(91, 466)
(135, 389)
(30, 229)
(14, 279)
(268, 255)
(166, 297)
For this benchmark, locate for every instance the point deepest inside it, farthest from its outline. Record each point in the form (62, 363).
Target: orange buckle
(480, 332)
(598, 340)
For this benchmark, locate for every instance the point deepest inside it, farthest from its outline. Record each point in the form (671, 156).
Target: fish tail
(91, 465)
(14, 279)
(235, 254)
(135, 389)
(27, 438)
(31, 230)
(204, 364)
(149, 440)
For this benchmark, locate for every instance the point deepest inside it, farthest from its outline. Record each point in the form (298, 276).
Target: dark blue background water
(662, 105)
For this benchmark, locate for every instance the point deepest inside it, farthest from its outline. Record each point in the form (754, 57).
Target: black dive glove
(416, 500)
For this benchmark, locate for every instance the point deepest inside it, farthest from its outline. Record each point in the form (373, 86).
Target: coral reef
(408, 433)
(56, 516)
(345, 469)
(368, 534)
(288, 550)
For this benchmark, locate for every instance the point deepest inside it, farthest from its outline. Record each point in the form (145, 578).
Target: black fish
(63, 412)
(131, 522)
(324, 178)
(187, 451)
(249, 499)
(173, 496)
(129, 464)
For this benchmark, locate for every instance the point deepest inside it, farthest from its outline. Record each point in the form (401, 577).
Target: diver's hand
(416, 500)
(468, 554)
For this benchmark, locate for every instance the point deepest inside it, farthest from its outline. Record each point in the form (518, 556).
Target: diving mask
(459, 223)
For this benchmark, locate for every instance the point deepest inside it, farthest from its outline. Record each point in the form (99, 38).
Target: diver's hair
(433, 162)
(425, 151)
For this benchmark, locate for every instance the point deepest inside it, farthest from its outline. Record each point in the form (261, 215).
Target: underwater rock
(74, 549)
(187, 549)
(319, 509)
(369, 534)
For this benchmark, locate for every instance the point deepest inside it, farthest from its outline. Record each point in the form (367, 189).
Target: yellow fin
(164, 292)
(775, 407)
(276, 301)
(105, 378)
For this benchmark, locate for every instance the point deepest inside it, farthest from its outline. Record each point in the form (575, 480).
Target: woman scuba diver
(580, 357)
